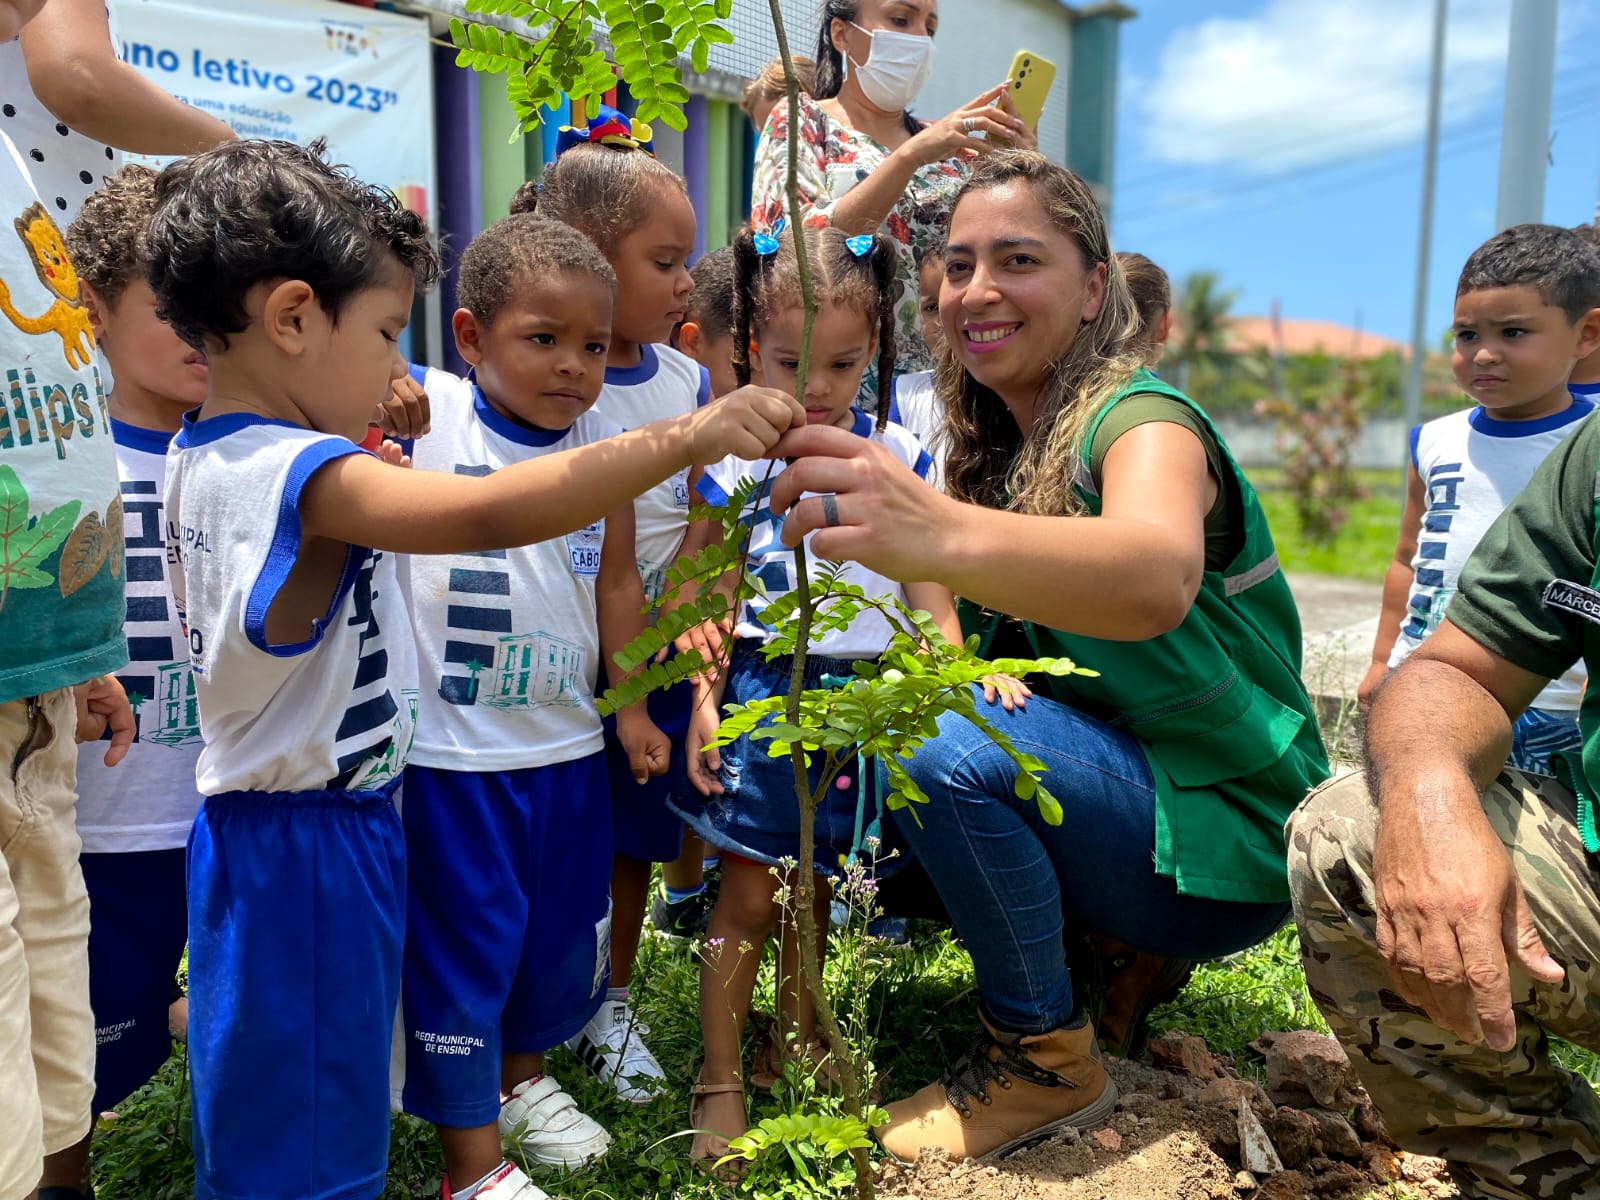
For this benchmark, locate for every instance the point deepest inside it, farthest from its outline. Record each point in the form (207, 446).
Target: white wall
(977, 39)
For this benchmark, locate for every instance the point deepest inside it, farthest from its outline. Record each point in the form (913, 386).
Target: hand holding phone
(1031, 76)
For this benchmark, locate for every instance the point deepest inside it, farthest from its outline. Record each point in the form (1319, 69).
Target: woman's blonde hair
(988, 460)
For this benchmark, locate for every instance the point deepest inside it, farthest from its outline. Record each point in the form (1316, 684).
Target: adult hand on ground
(889, 520)
(951, 136)
(1451, 913)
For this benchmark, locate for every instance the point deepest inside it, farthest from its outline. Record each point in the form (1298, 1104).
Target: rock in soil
(1304, 1061)
(1180, 1052)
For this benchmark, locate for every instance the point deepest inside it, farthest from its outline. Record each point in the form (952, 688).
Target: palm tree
(1202, 312)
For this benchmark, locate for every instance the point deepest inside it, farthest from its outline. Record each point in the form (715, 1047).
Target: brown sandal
(709, 1146)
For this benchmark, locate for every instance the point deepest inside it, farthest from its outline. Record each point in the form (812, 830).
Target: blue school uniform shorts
(757, 816)
(508, 936)
(642, 820)
(137, 930)
(296, 918)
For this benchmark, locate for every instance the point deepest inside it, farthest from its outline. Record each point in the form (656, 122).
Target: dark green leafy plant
(565, 55)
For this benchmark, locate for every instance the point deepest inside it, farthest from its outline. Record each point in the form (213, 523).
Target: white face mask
(896, 68)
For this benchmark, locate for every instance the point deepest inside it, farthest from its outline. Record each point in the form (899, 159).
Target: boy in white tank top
(1527, 310)
(507, 799)
(297, 281)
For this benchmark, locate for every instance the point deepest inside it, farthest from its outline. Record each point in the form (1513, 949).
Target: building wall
(976, 42)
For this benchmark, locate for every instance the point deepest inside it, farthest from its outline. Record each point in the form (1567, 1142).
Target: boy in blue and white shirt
(507, 799)
(134, 819)
(297, 280)
(1527, 310)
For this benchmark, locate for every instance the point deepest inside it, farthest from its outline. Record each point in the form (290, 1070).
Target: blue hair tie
(766, 244)
(609, 128)
(861, 245)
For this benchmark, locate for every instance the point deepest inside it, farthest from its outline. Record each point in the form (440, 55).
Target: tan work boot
(1132, 984)
(1006, 1091)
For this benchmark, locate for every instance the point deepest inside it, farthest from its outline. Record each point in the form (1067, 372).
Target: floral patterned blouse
(833, 159)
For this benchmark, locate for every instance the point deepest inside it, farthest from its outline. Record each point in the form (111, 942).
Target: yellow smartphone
(1031, 77)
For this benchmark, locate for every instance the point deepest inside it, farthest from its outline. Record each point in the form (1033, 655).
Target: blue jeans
(1013, 884)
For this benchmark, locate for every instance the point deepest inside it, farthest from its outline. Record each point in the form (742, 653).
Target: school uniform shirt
(915, 403)
(773, 563)
(664, 384)
(61, 605)
(508, 641)
(335, 710)
(1585, 391)
(148, 800)
(1472, 467)
(66, 166)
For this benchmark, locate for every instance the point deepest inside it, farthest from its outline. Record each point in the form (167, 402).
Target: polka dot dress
(65, 165)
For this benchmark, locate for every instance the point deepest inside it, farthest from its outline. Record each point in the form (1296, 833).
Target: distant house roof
(1248, 334)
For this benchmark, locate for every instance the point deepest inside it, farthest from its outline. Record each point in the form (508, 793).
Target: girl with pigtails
(744, 801)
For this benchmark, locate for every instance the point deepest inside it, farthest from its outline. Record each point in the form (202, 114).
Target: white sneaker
(612, 1046)
(508, 1183)
(547, 1125)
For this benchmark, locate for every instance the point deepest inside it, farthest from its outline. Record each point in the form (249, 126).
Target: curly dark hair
(604, 192)
(711, 302)
(519, 248)
(1590, 233)
(1555, 262)
(106, 240)
(250, 211)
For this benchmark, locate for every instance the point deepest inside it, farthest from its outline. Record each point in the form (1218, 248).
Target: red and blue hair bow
(609, 128)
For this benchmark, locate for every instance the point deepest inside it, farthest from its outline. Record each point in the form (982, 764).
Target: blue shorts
(642, 820)
(758, 815)
(1539, 733)
(508, 935)
(137, 931)
(296, 917)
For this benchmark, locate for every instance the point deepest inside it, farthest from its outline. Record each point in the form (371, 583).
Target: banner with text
(299, 70)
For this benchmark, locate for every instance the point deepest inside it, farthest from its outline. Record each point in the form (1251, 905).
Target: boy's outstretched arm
(619, 605)
(360, 500)
(1397, 583)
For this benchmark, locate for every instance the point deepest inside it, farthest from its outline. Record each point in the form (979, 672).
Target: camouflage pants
(1514, 1125)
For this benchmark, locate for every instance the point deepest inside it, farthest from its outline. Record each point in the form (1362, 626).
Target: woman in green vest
(1095, 513)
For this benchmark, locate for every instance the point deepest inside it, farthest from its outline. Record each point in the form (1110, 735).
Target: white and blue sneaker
(612, 1046)
(548, 1128)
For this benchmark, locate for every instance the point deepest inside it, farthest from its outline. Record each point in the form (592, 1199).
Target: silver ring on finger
(969, 124)
(830, 509)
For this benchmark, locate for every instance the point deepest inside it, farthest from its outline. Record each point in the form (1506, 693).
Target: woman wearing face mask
(1093, 512)
(866, 164)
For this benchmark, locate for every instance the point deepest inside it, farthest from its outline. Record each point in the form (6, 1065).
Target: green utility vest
(1217, 704)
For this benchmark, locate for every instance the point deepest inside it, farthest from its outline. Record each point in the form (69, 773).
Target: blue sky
(1279, 142)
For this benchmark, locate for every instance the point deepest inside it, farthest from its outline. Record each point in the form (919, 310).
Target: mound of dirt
(1190, 1133)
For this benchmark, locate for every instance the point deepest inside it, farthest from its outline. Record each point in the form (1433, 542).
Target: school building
(378, 79)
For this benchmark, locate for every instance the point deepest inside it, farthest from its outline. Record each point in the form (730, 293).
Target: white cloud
(1305, 81)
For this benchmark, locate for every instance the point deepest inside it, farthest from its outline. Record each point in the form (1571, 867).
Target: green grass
(1365, 544)
(916, 1006)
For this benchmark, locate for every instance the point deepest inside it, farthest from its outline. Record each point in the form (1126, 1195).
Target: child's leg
(686, 873)
(136, 942)
(741, 922)
(560, 976)
(46, 1030)
(630, 896)
(797, 1015)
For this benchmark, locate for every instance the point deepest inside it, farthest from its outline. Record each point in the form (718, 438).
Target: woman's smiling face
(1016, 290)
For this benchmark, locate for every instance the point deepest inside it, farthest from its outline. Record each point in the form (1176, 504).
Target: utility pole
(1525, 134)
(1430, 164)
